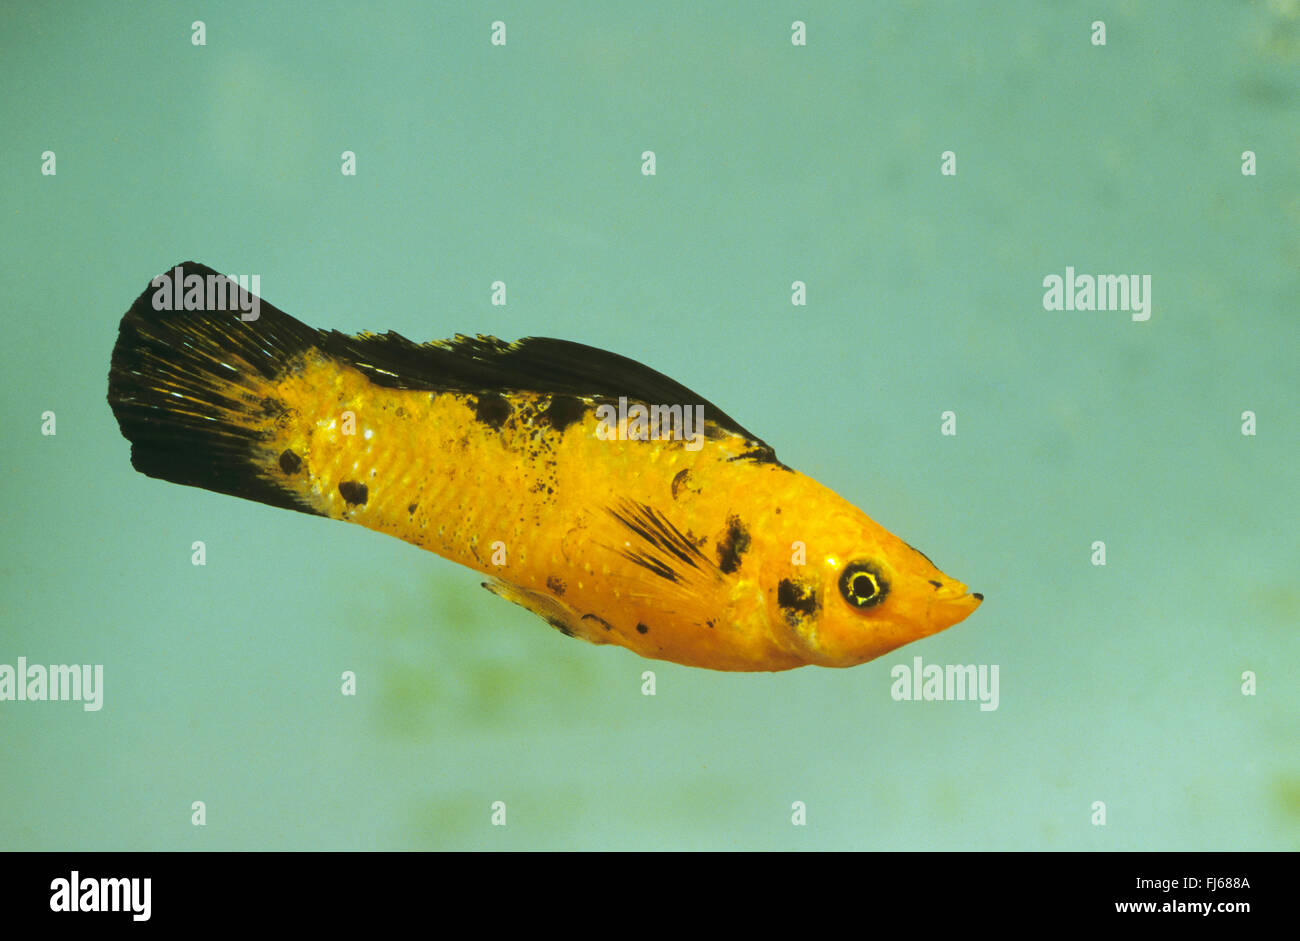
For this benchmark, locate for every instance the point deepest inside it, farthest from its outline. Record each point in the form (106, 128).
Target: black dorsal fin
(462, 364)
(533, 364)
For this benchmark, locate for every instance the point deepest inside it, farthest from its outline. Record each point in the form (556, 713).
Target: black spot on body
(411, 509)
(555, 583)
(733, 545)
(642, 629)
(936, 584)
(564, 410)
(354, 492)
(798, 600)
(679, 480)
(599, 620)
(290, 463)
(492, 409)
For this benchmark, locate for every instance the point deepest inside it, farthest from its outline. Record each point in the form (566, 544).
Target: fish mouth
(946, 611)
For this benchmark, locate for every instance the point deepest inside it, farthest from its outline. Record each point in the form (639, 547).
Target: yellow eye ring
(862, 585)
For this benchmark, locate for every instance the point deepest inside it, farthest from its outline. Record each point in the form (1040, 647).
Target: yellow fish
(603, 496)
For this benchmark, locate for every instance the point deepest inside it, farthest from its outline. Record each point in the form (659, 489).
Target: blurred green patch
(1279, 603)
(1277, 30)
(1286, 793)
(449, 821)
(700, 811)
(448, 658)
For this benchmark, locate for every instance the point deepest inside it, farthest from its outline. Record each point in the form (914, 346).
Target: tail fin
(189, 386)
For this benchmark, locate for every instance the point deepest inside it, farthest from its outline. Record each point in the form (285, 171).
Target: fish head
(869, 594)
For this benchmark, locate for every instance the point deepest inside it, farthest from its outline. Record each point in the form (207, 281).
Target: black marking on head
(290, 463)
(555, 583)
(919, 552)
(733, 545)
(642, 629)
(797, 600)
(354, 492)
(599, 620)
(491, 409)
(680, 479)
(564, 410)
(936, 584)
(709, 622)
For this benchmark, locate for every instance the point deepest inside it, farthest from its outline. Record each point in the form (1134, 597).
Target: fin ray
(551, 610)
(188, 390)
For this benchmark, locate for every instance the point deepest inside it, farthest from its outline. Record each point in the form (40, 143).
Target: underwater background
(1127, 685)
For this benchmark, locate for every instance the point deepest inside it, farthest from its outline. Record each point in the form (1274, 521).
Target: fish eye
(862, 585)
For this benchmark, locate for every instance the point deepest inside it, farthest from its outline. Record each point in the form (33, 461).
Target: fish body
(524, 461)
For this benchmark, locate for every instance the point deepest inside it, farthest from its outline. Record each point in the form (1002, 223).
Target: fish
(610, 500)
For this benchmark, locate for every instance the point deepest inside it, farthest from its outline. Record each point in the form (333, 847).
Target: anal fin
(550, 609)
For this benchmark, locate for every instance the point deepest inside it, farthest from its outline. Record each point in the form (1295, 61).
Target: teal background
(775, 163)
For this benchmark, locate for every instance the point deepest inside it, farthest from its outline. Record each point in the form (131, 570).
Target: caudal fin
(189, 386)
